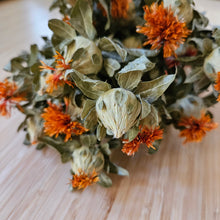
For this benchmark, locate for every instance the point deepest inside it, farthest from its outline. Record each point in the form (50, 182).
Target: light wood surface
(179, 182)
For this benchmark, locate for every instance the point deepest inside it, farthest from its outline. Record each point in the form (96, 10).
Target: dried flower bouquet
(114, 74)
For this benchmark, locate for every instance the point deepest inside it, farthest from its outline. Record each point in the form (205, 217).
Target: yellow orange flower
(9, 96)
(217, 85)
(119, 9)
(82, 180)
(163, 29)
(67, 19)
(57, 122)
(195, 129)
(146, 136)
(57, 78)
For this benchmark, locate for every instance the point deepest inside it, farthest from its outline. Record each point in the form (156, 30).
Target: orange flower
(67, 19)
(9, 96)
(162, 28)
(83, 180)
(146, 136)
(119, 9)
(217, 85)
(57, 122)
(57, 78)
(61, 63)
(195, 129)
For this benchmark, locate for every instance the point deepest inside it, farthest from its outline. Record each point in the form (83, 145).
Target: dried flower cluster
(93, 87)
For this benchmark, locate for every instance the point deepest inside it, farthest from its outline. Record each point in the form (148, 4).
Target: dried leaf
(195, 75)
(100, 132)
(152, 90)
(104, 180)
(117, 169)
(81, 19)
(61, 29)
(89, 87)
(130, 76)
(111, 65)
(109, 45)
(87, 107)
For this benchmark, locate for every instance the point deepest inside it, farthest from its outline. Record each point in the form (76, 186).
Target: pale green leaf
(104, 180)
(130, 76)
(152, 90)
(111, 65)
(89, 87)
(109, 45)
(81, 19)
(61, 29)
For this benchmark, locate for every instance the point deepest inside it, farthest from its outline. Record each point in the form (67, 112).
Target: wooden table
(179, 182)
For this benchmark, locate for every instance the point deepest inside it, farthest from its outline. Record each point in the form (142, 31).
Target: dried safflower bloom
(163, 29)
(182, 8)
(119, 9)
(217, 85)
(195, 129)
(57, 122)
(82, 180)
(86, 164)
(56, 79)
(118, 110)
(9, 96)
(145, 136)
(87, 160)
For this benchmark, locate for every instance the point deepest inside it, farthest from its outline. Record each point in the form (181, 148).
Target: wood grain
(179, 182)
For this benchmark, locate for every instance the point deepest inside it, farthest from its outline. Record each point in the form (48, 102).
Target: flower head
(82, 180)
(146, 136)
(119, 9)
(57, 122)
(163, 29)
(195, 129)
(217, 85)
(9, 96)
(56, 79)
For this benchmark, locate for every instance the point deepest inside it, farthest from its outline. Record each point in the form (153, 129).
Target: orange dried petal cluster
(67, 19)
(119, 9)
(57, 122)
(9, 96)
(163, 29)
(195, 129)
(82, 180)
(217, 85)
(146, 136)
(56, 79)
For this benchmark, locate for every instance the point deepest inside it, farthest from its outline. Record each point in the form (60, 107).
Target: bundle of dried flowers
(114, 74)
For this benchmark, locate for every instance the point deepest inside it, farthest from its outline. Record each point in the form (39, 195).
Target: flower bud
(34, 128)
(182, 8)
(212, 64)
(188, 106)
(87, 57)
(118, 110)
(87, 159)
